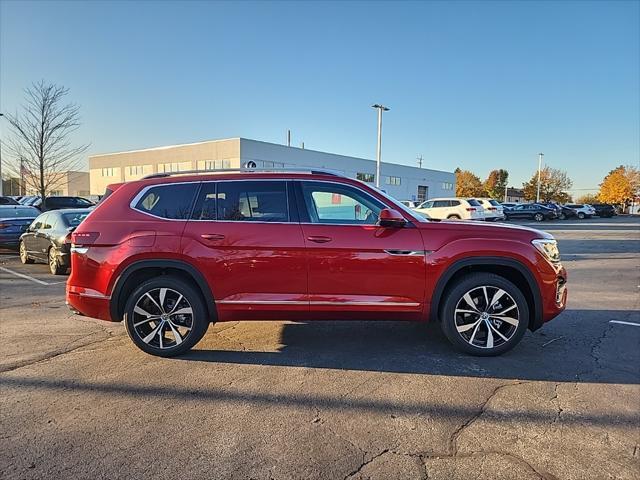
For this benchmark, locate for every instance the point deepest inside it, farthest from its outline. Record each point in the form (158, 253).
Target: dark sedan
(48, 238)
(8, 201)
(530, 211)
(604, 209)
(14, 220)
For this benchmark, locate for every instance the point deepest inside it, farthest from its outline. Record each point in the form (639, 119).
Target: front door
(248, 243)
(355, 265)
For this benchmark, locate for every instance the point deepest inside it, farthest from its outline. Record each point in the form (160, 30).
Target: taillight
(492, 208)
(471, 209)
(84, 238)
(4, 225)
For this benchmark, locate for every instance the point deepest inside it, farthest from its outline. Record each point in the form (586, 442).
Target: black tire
(453, 217)
(24, 256)
(136, 323)
(538, 217)
(562, 216)
(54, 262)
(581, 215)
(449, 318)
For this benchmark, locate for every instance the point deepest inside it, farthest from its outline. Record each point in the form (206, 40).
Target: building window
(170, 167)
(217, 164)
(392, 180)
(272, 165)
(136, 170)
(108, 172)
(366, 177)
(447, 186)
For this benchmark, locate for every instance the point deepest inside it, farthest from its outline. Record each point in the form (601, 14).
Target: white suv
(583, 210)
(493, 211)
(452, 209)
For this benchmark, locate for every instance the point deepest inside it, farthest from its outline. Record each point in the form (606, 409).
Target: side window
(252, 201)
(340, 204)
(206, 203)
(440, 203)
(38, 222)
(455, 203)
(428, 204)
(168, 201)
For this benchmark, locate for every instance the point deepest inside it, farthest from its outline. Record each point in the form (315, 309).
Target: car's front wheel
(484, 314)
(166, 316)
(581, 215)
(538, 217)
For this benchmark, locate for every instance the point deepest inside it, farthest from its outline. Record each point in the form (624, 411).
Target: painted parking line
(633, 324)
(27, 277)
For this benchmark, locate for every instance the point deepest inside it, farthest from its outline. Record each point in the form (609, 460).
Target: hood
(470, 229)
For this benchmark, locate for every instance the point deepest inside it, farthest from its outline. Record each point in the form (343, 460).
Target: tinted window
(252, 201)
(454, 203)
(74, 219)
(428, 204)
(206, 203)
(473, 202)
(340, 204)
(494, 203)
(441, 203)
(168, 201)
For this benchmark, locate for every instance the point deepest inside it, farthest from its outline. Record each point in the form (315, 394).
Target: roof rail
(245, 170)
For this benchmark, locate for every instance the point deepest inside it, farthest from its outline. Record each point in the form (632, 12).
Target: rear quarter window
(473, 202)
(172, 202)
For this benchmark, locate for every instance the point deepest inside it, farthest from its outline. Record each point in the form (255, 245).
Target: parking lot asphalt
(330, 400)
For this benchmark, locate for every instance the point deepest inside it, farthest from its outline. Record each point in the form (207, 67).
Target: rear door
(358, 269)
(247, 240)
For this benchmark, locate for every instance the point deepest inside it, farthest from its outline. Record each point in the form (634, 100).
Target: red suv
(170, 254)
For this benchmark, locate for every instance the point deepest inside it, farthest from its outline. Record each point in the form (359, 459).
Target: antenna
(288, 138)
(419, 158)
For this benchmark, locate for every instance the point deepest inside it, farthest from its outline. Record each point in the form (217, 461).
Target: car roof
(69, 210)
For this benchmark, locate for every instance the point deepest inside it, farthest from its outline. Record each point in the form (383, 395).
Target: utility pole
(288, 138)
(1, 181)
(419, 158)
(540, 155)
(506, 188)
(380, 108)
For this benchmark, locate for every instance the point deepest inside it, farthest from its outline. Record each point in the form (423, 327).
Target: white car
(410, 204)
(493, 211)
(583, 210)
(452, 209)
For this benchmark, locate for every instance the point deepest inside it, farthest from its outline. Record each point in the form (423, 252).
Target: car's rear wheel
(453, 217)
(166, 316)
(581, 215)
(484, 314)
(562, 216)
(24, 256)
(538, 217)
(54, 263)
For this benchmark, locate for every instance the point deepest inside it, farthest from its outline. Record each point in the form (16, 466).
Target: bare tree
(40, 144)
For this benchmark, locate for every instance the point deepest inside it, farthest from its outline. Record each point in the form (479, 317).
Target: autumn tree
(495, 183)
(554, 184)
(620, 185)
(41, 144)
(468, 184)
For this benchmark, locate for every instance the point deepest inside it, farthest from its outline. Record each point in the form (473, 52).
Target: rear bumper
(88, 303)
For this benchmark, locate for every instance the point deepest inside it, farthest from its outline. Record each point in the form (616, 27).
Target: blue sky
(479, 85)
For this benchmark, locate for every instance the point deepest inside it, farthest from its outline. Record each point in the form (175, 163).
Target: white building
(400, 181)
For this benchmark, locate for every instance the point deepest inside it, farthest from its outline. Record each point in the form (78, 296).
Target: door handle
(212, 236)
(319, 239)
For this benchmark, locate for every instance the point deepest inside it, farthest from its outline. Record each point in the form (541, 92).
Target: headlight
(548, 248)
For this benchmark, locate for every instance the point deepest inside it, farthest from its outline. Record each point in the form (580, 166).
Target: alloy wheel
(162, 318)
(53, 261)
(23, 253)
(486, 317)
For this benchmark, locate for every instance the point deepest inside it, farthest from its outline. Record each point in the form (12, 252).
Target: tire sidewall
(447, 319)
(200, 316)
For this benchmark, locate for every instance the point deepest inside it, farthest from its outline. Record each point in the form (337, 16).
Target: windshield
(402, 207)
(494, 203)
(20, 212)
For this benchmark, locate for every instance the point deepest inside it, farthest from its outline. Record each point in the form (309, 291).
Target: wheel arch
(142, 270)
(511, 269)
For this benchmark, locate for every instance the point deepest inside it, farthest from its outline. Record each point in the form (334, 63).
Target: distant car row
(50, 203)
(488, 209)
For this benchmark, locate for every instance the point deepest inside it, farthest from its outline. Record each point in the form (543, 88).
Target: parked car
(604, 210)
(452, 209)
(508, 204)
(531, 211)
(14, 219)
(583, 210)
(493, 211)
(8, 201)
(410, 203)
(567, 213)
(169, 254)
(28, 200)
(48, 238)
(56, 203)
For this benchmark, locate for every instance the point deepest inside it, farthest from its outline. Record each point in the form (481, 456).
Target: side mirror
(391, 218)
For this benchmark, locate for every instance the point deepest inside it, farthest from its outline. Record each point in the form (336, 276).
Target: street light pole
(1, 182)
(380, 108)
(540, 155)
